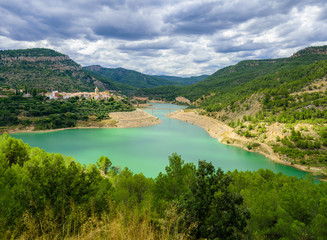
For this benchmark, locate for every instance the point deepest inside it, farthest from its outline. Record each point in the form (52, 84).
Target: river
(147, 149)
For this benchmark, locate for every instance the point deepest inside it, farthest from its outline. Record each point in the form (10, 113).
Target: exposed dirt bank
(137, 118)
(225, 134)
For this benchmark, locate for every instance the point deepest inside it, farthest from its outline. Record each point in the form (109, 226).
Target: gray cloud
(175, 37)
(156, 45)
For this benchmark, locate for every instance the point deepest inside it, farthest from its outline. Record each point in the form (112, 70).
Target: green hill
(130, 77)
(281, 103)
(47, 69)
(184, 80)
(247, 77)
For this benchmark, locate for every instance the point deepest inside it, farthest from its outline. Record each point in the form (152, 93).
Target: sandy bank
(138, 118)
(225, 134)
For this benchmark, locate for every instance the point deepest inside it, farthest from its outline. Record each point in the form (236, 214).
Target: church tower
(96, 91)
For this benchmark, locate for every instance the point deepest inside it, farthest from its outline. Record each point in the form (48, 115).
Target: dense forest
(129, 77)
(239, 81)
(51, 196)
(42, 113)
(184, 80)
(140, 80)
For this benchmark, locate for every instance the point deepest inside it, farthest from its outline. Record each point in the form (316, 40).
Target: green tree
(15, 151)
(211, 207)
(104, 164)
(177, 179)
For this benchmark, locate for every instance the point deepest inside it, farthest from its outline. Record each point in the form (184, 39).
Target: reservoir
(147, 149)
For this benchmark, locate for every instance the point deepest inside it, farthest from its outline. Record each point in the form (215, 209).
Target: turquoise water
(147, 149)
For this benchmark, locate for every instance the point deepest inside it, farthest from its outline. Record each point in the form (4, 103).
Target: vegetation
(253, 95)
(51, 114)
(47, 196)
(47, 69)
(237, 82)
(184, 80)
(303, 145)
(129, 77)
(167, 93)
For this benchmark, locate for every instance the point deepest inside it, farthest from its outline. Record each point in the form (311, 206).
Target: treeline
(33, 52)
(50, 114)
(47, 196)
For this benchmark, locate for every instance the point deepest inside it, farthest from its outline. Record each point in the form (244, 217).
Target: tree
(177, 179)
(104, 164)
(211, 207)
(15, 151)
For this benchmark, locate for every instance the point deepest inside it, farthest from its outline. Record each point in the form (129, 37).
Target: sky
(164, 37)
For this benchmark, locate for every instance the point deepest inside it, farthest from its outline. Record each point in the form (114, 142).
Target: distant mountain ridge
(245, 78)
(321, 50)
(47, 69)
(130, 77)
(184, 80)
(140, 80)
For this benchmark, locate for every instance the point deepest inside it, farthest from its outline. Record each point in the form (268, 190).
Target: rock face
(311, 50)
(94, 68)
(45, 69)
(33, 59)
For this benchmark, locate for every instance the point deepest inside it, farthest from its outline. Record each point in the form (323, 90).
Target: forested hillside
(247, 77)
(130, 77)
(50, 70)
(281, 103)
(184, 80)
(51, 196)
(39, 113)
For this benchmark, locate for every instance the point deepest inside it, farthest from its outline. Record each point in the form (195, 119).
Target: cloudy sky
(171, 37)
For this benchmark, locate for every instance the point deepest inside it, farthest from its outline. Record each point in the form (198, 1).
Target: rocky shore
(226, 135)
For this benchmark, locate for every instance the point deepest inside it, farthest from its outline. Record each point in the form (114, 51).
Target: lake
(147, 149)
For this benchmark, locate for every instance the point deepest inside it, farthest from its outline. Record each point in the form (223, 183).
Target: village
(96, 95)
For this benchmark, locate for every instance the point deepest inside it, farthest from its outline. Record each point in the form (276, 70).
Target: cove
(147, 149)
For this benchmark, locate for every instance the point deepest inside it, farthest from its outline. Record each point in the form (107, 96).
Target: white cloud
(164, 36)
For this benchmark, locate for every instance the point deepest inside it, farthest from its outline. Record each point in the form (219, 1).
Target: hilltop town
(55, 95)
(96, 95)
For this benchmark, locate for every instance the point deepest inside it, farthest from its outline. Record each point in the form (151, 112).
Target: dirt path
(225, 134)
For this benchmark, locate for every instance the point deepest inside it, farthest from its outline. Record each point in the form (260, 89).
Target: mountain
(130, 77)
(247, 77)
(243, 79)
(277, 106)
(48, 69)
(184, 80)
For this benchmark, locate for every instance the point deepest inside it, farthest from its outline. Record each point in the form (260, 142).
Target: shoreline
(225, 135)
(137, 118)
